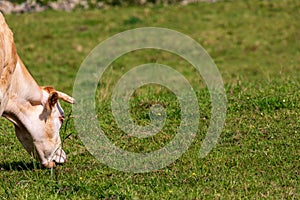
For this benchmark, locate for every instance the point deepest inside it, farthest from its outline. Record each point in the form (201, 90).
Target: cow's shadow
(19, 166)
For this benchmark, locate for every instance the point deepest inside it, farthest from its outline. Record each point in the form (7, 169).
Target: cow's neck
(24, 86)
(24, 93)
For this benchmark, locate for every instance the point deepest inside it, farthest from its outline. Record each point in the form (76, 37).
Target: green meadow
(256, 46)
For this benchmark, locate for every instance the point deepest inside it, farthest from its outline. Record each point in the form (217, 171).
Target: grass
(255, 45)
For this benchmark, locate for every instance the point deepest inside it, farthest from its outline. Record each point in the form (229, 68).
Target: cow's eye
(61, 119)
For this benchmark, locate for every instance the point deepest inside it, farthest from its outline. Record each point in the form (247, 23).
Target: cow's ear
(48, 90)
(65, 97)
(52, 100)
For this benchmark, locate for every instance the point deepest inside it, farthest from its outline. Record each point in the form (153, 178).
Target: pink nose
(59, 157)
(49, 164)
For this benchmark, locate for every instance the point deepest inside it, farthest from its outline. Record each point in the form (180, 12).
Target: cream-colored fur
(34, 110)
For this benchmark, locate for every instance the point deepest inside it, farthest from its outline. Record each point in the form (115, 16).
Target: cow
(34, 110)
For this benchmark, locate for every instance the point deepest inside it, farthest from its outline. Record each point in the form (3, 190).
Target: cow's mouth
(58, 158)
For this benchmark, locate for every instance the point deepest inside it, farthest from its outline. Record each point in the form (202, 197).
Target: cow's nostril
(49, 165)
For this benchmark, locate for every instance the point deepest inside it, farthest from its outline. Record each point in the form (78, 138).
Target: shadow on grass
(19, 166)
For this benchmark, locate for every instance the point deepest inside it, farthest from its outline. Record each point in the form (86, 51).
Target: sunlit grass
(255, 45)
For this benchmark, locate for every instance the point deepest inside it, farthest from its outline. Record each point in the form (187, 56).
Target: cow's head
(37, 126)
